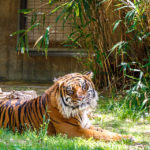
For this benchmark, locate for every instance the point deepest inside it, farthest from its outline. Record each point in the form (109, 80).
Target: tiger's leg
(77, 131)
(95, 128)
(109, 132)
(51, 129)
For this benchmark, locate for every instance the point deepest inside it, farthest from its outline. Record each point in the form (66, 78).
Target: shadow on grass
(114, 125)
(44, 147)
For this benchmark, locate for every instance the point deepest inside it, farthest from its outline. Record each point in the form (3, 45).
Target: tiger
(66, 103)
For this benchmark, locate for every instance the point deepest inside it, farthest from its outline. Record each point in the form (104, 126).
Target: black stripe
(93, 93)
(44, 102)
(30, 118)
(37, 111)
(40, 106)
(26, 115)
(24, 123)
(37, 108)
(29, 108)
(74, 107)
(4, 116)
(54, 120)
(33, 109)
(80, 117)
(76, 119)
(63, 99)
(15, 124)
(7, 126)
(13, 119)
(70, 79)
(19, 112)
(1, 110)
(6, 111)
(87, 79)
(9, 114)
(71, 123)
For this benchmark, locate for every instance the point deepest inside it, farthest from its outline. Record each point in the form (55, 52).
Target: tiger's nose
(81, 97)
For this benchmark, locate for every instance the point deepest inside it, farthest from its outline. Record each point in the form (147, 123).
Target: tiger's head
(76, 94)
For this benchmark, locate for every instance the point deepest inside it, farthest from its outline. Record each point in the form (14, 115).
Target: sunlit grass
(30, 140)
(107, 119)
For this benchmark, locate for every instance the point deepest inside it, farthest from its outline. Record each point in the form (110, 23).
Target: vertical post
(23, 5)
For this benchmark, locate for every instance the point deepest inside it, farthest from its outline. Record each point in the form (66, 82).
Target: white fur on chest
(84, 120)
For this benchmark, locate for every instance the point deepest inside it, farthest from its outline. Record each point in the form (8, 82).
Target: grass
(30, 140)
(106, 116)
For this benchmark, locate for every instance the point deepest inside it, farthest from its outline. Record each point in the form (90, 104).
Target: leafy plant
(92, 31)
(136, 47)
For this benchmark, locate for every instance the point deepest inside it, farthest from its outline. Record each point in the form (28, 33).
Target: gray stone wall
(14, 66)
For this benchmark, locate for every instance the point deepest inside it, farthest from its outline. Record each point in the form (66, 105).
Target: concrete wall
(14, 66)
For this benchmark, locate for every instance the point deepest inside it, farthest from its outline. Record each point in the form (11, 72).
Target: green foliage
(127, 61)
(93, 33)
(137, 98)
(125, 107)
(135, 69)
(25, 11)
(85, 17)
(116, 24)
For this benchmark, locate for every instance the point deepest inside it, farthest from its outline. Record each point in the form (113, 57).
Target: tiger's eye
(69, 91)
(84, 86)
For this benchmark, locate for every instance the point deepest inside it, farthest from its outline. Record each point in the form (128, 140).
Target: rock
(22, 95)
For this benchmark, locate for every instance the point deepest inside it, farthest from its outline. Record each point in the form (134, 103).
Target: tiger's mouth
(71, 107)
(88, 100)
(79, 100)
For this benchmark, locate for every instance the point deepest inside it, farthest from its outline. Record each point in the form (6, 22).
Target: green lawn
(108, 120)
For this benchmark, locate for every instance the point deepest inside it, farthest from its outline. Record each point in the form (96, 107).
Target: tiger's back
(7, 112)
(21, 114)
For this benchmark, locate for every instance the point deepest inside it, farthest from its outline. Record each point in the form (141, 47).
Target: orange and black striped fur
(67, 103)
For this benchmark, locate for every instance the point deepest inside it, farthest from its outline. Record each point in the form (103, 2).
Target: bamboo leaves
(92, 29)
(116, 24)
(18, 32)
(43, 41)
(23, 43)
(87, 8)
(25, 11)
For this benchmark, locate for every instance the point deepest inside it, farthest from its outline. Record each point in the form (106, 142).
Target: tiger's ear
(56, 79)
(90, 74)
